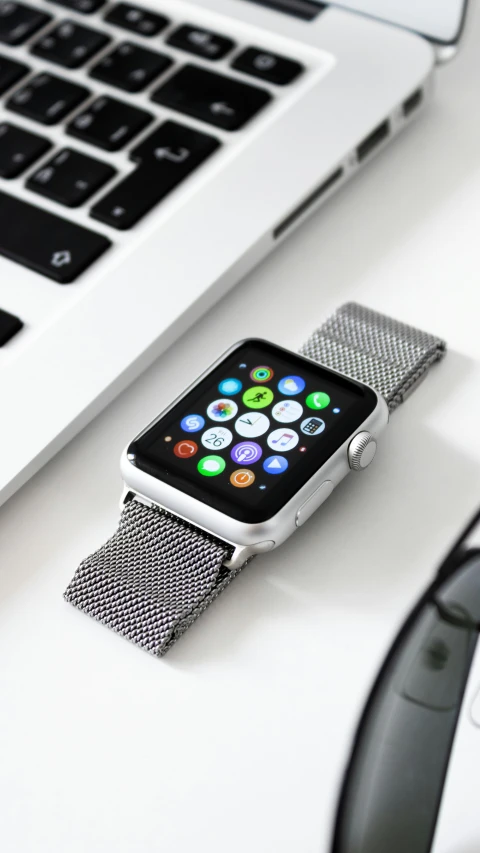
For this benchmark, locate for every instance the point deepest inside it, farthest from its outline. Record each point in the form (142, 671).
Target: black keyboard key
(47, 99)
(137, 19)
(18, 22)
(200, 42)
(70, 44)
(211, 97)
(10, 73)
(46, 243)
(131, 67)
(70, 178)
(19, 149)
(267, 66)
(9, 326)
(85, 7)
(109, 124)
(165, 158)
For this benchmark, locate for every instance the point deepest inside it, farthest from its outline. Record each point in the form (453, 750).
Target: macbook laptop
(151, 153)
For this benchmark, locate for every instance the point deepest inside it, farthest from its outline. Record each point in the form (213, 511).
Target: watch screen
(251, 433)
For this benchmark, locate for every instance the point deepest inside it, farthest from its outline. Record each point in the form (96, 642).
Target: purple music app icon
(246, 452)
(282, 439)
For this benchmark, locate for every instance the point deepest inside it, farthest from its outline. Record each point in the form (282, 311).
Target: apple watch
(239, 462)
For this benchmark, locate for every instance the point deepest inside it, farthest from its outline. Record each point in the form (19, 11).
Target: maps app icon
(291, 385)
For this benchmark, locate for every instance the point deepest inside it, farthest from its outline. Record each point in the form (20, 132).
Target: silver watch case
(246, 539)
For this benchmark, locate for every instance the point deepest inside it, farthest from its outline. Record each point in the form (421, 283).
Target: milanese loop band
(157, 573)
(152, 579)
(390, 356)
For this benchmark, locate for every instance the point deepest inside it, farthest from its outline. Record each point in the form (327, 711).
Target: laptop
(152, 153)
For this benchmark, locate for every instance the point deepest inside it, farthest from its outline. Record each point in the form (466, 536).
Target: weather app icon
(291, 385)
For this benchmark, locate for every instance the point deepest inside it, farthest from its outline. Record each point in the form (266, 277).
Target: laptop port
(412, 102)
(372, 140)
(308, 202)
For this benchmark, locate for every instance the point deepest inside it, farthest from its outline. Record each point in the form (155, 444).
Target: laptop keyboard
(169, 151)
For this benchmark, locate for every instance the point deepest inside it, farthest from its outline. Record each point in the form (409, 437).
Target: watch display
(253, 431)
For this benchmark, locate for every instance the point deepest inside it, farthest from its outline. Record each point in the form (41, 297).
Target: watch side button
(263, 547)
(314, 502)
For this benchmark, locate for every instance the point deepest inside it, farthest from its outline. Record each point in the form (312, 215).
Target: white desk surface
(236, 741)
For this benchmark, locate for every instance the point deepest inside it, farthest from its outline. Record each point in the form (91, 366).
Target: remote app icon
(242, 478)
(291, 385)
(210, 466)
(192, 423)
(312, 426)
(184, 449)
(222, 410)
(258, 398)
(261, 374)
(230, 387)
(287, 411)
(275, 465)
(283, 439)
(318, 400)
(246, 451)
(217, 438)
(252, 424)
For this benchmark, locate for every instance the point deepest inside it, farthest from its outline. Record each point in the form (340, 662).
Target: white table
(236, 741)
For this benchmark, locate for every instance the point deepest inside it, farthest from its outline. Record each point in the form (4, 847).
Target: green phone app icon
(258, 398)
(210, 466)
(318, 400)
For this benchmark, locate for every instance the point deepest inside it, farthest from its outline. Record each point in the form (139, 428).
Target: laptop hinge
(305, 9)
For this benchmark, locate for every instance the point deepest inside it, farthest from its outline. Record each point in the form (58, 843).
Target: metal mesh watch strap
(152, 579)
(365, 345)
(157, 573)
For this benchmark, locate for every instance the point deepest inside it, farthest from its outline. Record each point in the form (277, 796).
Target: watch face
(248, 436)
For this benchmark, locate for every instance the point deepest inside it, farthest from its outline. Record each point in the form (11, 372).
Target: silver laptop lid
(440, 21)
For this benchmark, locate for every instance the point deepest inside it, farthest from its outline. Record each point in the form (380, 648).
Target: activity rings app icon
(217, 437)
(252, 425)
(312, 426)
(287, 411)
(210, 466)
(185, 448)
(230, 387)
(192, 423)
(291, 385)
(318, 400)
(222, 410)
(241, 478)
(246, 451)
(282, 439)
(261, 374)
(257, 398)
